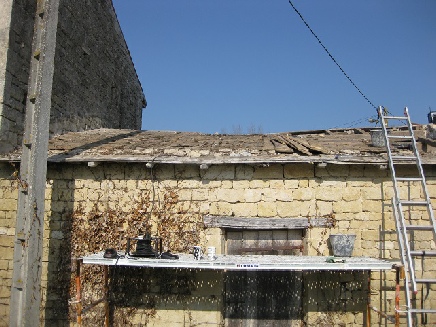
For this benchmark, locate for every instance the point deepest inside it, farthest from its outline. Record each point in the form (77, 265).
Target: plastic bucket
(342, 244)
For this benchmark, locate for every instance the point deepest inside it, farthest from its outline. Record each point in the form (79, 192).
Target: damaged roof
(335, 146)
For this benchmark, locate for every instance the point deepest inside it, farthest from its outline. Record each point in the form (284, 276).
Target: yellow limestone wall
(90, 209)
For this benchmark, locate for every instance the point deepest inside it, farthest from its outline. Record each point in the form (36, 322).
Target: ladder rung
(414, 203)
(395, 117)
(420, 227)
(422, 310)
(403, 157)
(409, 179)
(423, 253)
(405, 137)
(425, 281)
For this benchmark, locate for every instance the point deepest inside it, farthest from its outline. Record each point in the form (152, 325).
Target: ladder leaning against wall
(414, 218)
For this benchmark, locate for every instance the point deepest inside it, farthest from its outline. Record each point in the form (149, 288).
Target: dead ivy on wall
(15, 179)
(178, 223)
(321, 244)
(180, 228)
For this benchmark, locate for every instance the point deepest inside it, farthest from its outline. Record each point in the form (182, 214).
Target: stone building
(281, 195)
(94, 84)
(105, 186)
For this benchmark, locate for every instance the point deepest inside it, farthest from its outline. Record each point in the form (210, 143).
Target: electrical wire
(331, 56)
(371, 119)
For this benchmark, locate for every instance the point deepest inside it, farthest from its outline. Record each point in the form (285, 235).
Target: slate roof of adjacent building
(352, 145)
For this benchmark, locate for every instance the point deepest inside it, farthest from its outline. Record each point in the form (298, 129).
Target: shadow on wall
(270, 298)
(59, 249)
(335, 292)
(137, 294)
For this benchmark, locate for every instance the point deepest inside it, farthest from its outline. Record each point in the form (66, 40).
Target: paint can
(211, 252)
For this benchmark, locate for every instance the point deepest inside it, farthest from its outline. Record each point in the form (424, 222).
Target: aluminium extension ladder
(415, 228)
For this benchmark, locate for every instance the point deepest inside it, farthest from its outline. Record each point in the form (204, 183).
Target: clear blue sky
(211, 66)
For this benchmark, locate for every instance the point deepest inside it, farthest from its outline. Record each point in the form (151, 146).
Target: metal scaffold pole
(26, 280)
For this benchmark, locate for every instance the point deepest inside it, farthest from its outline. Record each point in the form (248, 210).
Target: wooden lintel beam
(266, 223)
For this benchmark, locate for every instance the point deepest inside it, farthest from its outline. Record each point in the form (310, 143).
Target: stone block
(328, 194)
(253, 195)
(245, 209)
(241, 184)
(4, 291)
(8, 205)
(294, 183)
(303, 194)
(332, 170)
(6, 241)
(359, 224)
(184, 194)
(307, 208)
(280, 195)
(288, 209)
(372, 206)
(356, 171)
(221, 209)
(270, 195)
(270, 172)
(5, 274)
(226, 184)
(351, 194)
(348, 207)
(163, 172)
(362, 216)
(343, 224)
(200, 194)
(4, 311)
(259, 183)
(191, 171)
(7, 191)
(277, 184)
(267, 209)
(302, 170)
(221, 172)
(230, 195)
(244, 172)
(374, 172)
(324, 208)
(6, 253)
(329, 182)
(188, 184)
(4, 264)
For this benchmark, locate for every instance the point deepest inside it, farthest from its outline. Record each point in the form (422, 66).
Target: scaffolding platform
(235, 263)
(247, 262)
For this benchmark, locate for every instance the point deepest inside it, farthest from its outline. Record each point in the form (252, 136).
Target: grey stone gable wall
(16, 32)
(95, 82)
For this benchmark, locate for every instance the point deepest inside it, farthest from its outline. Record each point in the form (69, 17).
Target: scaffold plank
(246, 262)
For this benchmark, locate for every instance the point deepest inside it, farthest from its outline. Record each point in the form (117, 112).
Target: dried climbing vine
(178, 223)
(324, 234)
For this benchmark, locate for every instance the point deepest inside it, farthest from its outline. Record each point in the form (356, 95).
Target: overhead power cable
(330, 55)
(371, 119)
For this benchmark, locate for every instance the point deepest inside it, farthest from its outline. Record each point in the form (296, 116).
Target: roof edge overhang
(258, 160)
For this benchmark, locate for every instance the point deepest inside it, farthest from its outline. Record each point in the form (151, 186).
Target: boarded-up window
(263, 298)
